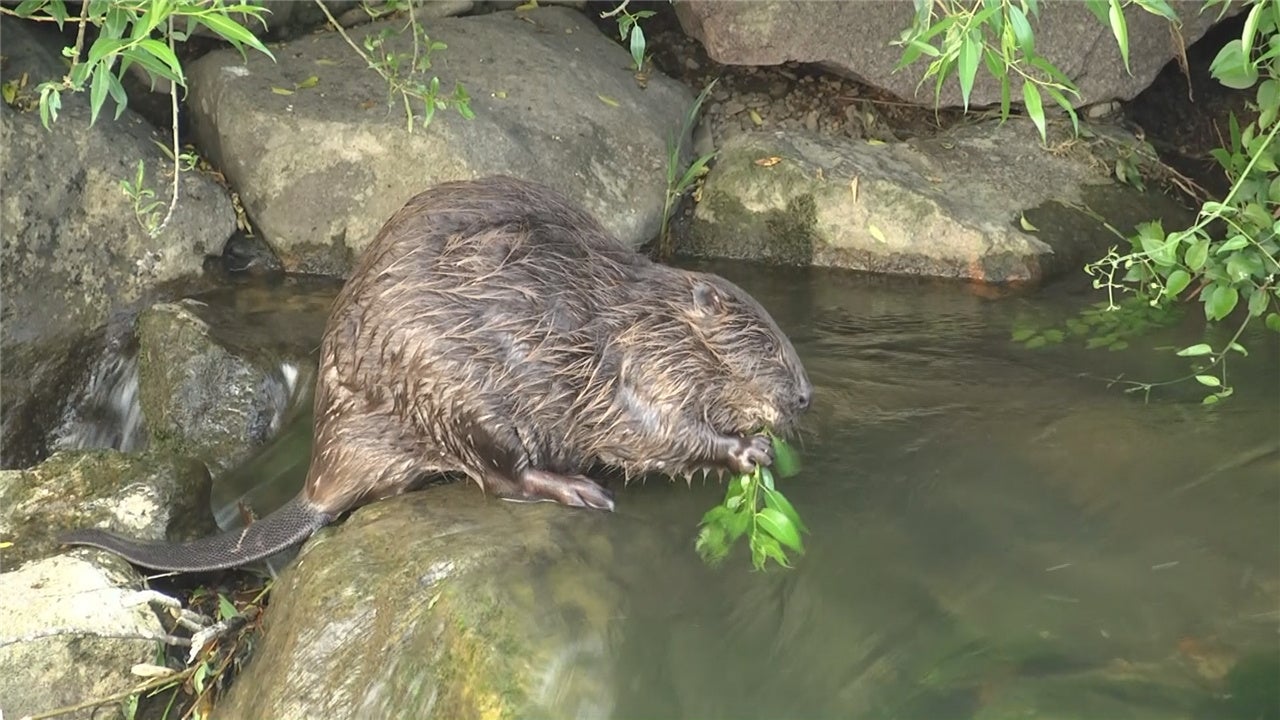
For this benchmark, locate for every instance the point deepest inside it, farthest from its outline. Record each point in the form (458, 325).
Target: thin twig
(81, 632)
(124, 694)
(621, 6)
(177, 163)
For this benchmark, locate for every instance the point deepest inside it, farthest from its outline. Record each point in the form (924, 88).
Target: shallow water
(994, 532)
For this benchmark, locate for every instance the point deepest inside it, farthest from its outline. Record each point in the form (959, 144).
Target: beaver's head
(761, 382)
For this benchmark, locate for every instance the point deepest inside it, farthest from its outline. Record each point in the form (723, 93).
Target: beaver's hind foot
(570, 490)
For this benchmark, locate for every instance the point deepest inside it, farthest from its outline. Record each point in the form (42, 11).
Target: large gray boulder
(948, 206)
(441, 603)
(852, 38)
(321, 169)
(73, 248)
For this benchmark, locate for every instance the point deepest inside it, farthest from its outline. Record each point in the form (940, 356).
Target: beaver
(495, 330)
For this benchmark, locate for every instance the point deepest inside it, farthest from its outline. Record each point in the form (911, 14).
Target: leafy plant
(997, 34)
(679, 183)
(754, 506)
(629, 27)
(1228, 259)
(403, 72)
(129, 33)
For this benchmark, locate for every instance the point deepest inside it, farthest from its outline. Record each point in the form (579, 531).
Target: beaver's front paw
(750, 452)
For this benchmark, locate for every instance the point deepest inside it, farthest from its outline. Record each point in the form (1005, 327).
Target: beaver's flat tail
(294, 522)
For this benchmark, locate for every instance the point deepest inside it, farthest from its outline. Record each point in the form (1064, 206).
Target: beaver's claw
(750, 452)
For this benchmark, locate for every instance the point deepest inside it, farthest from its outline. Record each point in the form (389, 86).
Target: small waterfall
(106, 412)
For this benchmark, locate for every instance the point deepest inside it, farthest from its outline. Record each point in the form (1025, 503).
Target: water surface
(995, 533)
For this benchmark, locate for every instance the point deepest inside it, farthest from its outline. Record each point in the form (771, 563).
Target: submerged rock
(70, 630)
(322, 168)
(439, 604)
(853, 39)
(947, 206)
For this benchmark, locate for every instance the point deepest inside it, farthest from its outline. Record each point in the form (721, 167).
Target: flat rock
(853, 39)
(949, 206)
(70, 630)
(151, 496)
(320, 170)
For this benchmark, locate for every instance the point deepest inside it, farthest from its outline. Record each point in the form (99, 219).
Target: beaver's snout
(805, 397)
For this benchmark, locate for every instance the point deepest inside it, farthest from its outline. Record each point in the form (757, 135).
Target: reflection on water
(995, 534)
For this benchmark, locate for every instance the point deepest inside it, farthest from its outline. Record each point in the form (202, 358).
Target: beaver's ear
(706, 298)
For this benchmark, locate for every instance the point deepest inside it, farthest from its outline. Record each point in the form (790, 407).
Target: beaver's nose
(805, 397)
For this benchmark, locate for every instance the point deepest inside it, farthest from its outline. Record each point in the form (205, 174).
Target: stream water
(995, 533)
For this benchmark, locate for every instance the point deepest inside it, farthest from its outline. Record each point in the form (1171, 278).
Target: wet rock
(854, 39)
(154, 496)
(35, 378)
(74, 252)
(946, 206)
(209, 396)
(69, 632)
(474, 608)
(322, 169)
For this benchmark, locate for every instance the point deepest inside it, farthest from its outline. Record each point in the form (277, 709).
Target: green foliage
(405, 72)
(679, 183)
(1228, 259)
(629, 26)
(130, 32)
(755, 507)
(955, 35)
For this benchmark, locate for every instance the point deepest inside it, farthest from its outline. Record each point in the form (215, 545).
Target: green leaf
(1066, 105)
(968, 63)
(1177, 282)
(117, 93)
(775, 500)
(1235, 243)
(1209, 380)
(1022, 30)
(103, 47)
(777, 525)
(1195, 350)
(786, 462)
(637, 46)
(1232, 68)
(98, 91)
(1209, 399)
(1250, 29)
(771, 549)
(1258, 302)
(1120, 29)
(1031, 99)
(1197, 254)
(1273, 322)
(164, 54)
(226, 610)
(232, 31)
(1221, 300)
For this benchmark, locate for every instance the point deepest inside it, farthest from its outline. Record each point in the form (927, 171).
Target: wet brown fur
(494, 329)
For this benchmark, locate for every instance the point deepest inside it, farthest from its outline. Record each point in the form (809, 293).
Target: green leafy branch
(753, 506)
(402, 72)
(128, 33)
